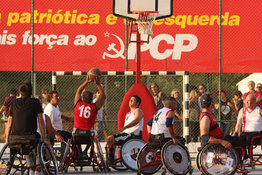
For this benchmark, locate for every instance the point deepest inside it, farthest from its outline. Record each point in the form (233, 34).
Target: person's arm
(169, 125)
(80, 89)
(149, 125)
(101, 98)
(52, 132)
(239, 122)
(63, 117)
(2, 109)
(42, 128)
(137, 118)
(204, 130)
(8, 128)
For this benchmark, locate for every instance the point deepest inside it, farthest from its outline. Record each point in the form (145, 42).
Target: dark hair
(238, 93)
(203, 86)
(25, 89)
(50, 95)
(155, 85)
(13, 91)
(171, 99)
(138, 99)
(87, 97)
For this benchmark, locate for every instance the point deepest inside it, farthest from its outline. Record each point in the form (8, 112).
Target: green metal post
(32, 47)
(220, 56)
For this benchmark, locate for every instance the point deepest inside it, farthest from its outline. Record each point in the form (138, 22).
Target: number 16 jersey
(84, 115)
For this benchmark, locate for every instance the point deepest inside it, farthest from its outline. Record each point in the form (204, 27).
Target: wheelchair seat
(23, 144)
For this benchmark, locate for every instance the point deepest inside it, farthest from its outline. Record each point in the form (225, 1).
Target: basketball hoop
(145, 21)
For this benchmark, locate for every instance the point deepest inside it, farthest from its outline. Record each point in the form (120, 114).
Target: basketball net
(145, 22)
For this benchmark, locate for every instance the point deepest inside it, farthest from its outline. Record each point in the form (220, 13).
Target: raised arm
(101, 98)
(80, 89)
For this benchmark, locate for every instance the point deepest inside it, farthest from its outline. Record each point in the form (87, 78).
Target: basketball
(94, 72)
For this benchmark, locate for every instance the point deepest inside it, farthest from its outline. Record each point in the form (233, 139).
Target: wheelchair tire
(129, 152)
(214, 159)
(59, 149)
(5, 162)
(176, 158)
(145, 155)
(118, 165)
(47, 160)
(100, 156)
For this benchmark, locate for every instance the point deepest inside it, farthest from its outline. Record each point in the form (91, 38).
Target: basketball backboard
(124, 8)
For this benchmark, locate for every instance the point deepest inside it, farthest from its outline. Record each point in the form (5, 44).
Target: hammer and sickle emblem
(118, 53)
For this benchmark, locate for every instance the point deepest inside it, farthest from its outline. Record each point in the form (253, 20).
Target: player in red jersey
(85, 111)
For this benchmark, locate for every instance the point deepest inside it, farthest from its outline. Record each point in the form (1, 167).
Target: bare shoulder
(139, 111)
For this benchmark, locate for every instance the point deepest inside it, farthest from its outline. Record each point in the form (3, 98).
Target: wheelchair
(214, 159)
(175, 158)
(252, 159)
(125, 154)
(95, 159)
(12, 157)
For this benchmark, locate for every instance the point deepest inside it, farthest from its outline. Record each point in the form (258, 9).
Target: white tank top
(138, 127)
(159, 122)
(252, 121)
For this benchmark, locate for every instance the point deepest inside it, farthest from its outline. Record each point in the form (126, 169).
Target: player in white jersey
(160, 127)
(133, 126)
(250, 120)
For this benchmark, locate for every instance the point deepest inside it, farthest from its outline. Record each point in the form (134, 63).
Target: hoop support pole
(138, 61)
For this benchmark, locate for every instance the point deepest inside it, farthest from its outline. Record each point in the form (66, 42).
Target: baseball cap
(205, 99)
(222, 90)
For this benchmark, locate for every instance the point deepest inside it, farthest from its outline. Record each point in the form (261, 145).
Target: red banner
(78, 35)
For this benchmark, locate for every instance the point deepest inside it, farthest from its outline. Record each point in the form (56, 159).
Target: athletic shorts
(121, 138)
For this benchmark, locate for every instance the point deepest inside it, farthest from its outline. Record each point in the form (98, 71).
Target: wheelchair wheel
(129, 152)
(100, 157)
(11, 163)
(59, 151)
(176, 158)
(118, 163)
(47, 160)
(148, 160)
(5, 162)
(215, 159)
(67, 157)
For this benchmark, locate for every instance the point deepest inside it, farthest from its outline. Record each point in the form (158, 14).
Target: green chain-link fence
(115, 88)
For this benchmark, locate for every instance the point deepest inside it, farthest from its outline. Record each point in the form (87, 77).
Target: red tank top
(84, 115)
(214, 130)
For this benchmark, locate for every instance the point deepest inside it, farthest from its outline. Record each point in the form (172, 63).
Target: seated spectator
(133, 126)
